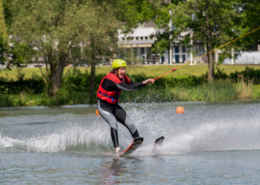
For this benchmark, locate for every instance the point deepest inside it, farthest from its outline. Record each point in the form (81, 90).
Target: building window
(136, 38)
(132, 38)
(146, 38)
(142, 51)
(183, 58)
(183, 49)
(176, 49)
(141, 38)
(123, 38)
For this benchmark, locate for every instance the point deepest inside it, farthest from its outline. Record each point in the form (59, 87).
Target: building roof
(138, 36)
(140, 32)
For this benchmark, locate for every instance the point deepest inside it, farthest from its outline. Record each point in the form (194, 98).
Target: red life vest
(111, 96)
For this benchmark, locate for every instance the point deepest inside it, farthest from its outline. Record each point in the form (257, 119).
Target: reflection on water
(110, 169)
(113, 170)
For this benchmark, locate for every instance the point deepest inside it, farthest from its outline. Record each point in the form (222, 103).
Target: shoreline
(219, 91)
(94, 105)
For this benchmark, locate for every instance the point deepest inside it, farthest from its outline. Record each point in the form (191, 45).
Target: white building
(244, 58)
(140, 40)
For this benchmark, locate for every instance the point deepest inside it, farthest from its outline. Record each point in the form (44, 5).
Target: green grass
(219, 90)
(154, 70)
(26, 99)
(223, 90)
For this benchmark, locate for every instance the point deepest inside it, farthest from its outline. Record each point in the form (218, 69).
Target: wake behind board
(132, 147)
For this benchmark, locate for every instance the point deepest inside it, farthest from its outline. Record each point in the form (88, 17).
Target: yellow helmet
(118, 63)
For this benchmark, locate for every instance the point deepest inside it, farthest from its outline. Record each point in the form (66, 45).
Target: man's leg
(123, 118)
(107, 114)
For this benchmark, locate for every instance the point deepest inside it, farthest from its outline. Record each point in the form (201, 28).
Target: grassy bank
(155, 70)
(217, 91)
(26, 99)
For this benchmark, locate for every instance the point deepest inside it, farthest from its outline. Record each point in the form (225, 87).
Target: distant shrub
(76, 81)
(248, 74)
(33, 85)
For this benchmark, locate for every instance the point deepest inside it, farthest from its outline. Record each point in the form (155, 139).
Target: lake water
(212, 143)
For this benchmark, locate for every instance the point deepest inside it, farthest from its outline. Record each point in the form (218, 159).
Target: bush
(15, 87)
(248, 74)
(76, 81)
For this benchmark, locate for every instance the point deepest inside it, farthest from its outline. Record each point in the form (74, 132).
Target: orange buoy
(179, 110)
(97, 113)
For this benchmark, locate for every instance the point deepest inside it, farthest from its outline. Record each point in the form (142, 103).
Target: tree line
(63, 32)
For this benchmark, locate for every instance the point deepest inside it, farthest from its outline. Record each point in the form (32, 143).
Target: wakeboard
(132, 147)
(157, 142)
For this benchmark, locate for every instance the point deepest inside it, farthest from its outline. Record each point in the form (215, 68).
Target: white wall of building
(244, 58)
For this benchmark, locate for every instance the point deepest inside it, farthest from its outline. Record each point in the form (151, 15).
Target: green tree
(134, 12)
(63, 32)
(102, 43)
(13, 53)
(209, 23)
(250, 10)
(3, 34)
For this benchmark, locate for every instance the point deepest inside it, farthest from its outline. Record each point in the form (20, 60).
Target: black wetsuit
(114, 112)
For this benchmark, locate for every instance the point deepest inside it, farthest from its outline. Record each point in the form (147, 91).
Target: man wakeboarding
(108, 97)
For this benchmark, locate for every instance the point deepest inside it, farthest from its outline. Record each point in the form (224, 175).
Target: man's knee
(130, 124)
(113, 124)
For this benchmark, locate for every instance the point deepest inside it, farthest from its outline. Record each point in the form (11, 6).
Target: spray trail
(203, 127)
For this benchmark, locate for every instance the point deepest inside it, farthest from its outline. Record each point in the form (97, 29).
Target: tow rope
(156, 78)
